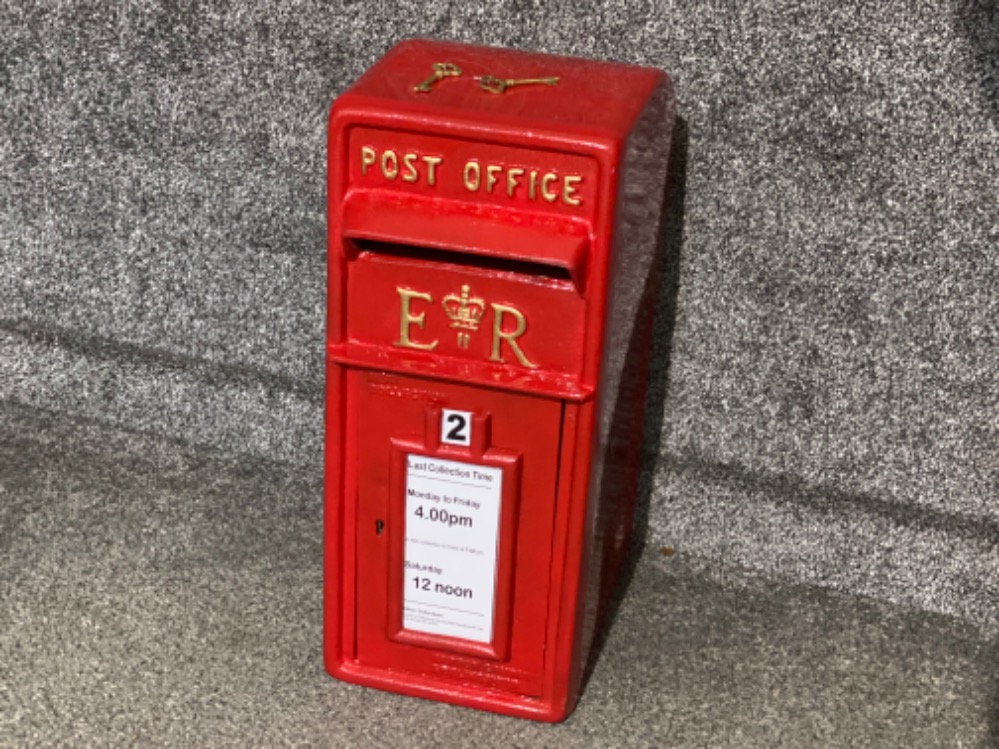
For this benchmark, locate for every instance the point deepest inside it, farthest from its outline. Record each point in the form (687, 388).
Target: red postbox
(493, 236)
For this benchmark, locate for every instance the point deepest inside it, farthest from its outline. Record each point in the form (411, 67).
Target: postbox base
(472, 696)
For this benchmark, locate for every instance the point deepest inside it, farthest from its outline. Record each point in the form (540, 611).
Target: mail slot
(493, 235)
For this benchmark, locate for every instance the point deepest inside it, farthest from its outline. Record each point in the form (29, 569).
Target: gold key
(441, 70)
(498, 85)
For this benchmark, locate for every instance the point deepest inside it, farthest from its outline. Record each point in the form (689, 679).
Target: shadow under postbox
(491, 290)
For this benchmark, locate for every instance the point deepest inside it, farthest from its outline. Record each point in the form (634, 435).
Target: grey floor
(160, 595)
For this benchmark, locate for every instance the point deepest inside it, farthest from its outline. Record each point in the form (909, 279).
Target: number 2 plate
(456, 427)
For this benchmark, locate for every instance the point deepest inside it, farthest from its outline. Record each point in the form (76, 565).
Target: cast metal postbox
(493, 236)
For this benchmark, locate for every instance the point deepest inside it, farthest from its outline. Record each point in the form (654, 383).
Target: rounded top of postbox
(491, 86)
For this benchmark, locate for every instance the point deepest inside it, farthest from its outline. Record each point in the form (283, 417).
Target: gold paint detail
(491, 171)
(511, 179)
(508, 180)
(368, 158)
(494, 85)
(570, 196)
(409, 164)
(403, 165)
(465, 313)
(407, 319)
(512, 182)
(509, 336)
(432, 162)
(440, 70)
(552, 196)
(472, 175)
(389, 164)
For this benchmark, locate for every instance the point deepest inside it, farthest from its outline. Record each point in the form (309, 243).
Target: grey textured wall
(830, 404)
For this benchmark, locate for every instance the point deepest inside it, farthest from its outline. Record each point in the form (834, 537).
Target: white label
(452, 530)
(456, 427)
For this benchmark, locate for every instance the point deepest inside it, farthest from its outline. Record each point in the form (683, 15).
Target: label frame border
(509, 463)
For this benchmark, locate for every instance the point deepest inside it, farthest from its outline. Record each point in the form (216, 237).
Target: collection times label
(452, 533)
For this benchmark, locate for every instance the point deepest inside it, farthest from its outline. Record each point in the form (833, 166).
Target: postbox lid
(601, 98)
(480, 232)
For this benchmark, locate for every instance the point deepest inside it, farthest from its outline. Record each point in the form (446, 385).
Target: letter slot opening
(551, 250)
(460, 257)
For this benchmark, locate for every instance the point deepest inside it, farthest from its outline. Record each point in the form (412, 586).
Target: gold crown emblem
(464, 311)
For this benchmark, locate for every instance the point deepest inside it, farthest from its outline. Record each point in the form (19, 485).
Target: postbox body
(492, 280)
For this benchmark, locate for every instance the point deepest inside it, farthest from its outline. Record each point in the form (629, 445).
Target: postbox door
(454, 500)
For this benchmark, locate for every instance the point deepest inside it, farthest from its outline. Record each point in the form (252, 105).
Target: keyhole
(379, 527)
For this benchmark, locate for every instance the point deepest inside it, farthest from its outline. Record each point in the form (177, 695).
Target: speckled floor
(160, 595)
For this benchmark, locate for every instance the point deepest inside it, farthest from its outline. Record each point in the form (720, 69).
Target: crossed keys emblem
(488, 83)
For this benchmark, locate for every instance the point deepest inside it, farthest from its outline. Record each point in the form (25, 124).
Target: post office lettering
(519, 183)
(502, 182)
(409, 166)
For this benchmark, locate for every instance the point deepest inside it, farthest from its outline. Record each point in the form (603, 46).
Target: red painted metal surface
(491, 285)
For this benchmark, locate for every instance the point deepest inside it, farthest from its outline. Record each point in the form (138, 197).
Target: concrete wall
(828, 358)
